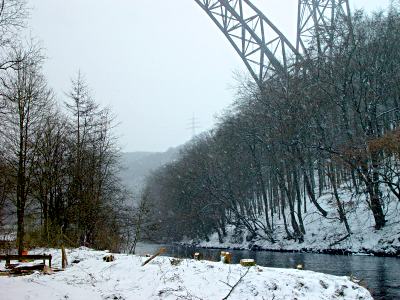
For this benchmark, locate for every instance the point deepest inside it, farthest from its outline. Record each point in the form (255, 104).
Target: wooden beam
(161, 251)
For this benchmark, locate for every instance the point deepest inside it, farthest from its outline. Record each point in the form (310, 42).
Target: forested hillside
(322, 144)
(136, 166)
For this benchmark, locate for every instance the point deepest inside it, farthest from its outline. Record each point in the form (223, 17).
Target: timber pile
(20, 270)
(27, 270)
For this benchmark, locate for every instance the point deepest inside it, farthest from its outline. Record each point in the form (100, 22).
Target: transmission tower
(193, 125)
(263, 48)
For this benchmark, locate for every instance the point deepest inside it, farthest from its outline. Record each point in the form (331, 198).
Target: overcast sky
(154, 62)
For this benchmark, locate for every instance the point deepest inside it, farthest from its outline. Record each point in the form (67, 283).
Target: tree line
(330, 126)
(58, 160)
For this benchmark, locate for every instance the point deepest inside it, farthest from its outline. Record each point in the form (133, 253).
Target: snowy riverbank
(125, 278)
(324, 235)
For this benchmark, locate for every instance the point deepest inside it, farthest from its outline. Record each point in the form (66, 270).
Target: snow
(8, 237)
(167, 278)
(322, 233)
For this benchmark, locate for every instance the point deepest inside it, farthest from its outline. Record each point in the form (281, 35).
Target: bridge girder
(318, 21)
(264, 49)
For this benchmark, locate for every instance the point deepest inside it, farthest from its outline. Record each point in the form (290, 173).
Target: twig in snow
(226, 283)
(236, 284)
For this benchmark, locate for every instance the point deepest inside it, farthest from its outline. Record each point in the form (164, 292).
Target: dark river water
(381, 275)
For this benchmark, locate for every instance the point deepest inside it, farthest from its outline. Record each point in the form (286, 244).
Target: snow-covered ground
(125, 278)
(324, 233)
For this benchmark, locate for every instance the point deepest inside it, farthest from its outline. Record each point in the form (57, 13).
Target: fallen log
(11, 266)
(340, 240)
(26, 269)
(30, 268)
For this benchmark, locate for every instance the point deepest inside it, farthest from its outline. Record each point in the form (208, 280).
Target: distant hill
(136, 166)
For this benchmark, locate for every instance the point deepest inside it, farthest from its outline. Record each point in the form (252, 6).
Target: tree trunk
(298, 194)
(310, 191)
(290, 197)
(341, 211)
(283, 204)
(374, 198)
(21, 195)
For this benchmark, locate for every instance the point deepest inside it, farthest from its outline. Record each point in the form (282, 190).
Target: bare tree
(27, 97)
(13, 14)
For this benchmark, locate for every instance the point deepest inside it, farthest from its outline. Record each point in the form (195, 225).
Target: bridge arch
(264, 49)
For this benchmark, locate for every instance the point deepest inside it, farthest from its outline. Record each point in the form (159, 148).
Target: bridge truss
(264, 49)
(319, 20)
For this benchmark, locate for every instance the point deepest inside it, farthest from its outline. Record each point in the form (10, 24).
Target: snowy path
(124, 278)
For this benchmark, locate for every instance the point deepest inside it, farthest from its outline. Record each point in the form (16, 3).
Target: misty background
(155, 63)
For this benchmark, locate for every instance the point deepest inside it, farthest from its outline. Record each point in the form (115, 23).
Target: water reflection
(379, 274)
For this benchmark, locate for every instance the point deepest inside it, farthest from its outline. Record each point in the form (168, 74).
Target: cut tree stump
(198, 256)
(226, 257)
(247, 262)
(109, 258)
(64, 260)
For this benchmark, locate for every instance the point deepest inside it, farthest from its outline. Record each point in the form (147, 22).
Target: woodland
(59, 158)
(329, 127)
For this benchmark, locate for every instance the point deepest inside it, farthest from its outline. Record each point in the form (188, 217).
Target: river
(379, 274)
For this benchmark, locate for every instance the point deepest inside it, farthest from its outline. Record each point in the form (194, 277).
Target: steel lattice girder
(262, 47)
(318, 19)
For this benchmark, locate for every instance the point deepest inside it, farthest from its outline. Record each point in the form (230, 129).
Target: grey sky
(155, 62)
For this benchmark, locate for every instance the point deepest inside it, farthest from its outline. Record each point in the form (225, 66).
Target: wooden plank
(30, 268)
(17, 257)
(161, 251)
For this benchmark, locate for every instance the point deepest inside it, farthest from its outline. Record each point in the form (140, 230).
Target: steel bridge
(264, 49)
